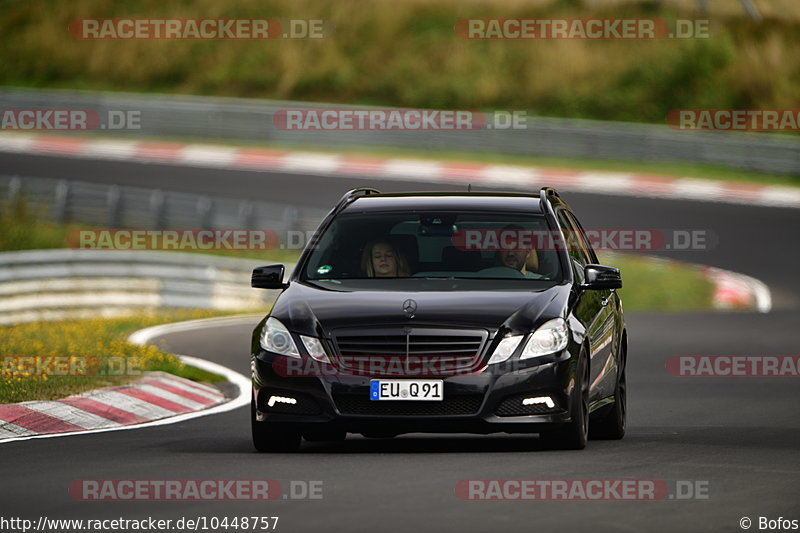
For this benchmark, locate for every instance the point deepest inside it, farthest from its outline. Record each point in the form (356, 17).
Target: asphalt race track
(740, 436)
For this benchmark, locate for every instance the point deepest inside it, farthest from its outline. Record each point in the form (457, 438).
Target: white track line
(143, 336)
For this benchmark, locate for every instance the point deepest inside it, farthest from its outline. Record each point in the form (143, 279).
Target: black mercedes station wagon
(445, 312)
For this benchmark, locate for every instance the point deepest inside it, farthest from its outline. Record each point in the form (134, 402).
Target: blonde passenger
(382, 260)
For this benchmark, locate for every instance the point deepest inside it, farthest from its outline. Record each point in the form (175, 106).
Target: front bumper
(486, 402)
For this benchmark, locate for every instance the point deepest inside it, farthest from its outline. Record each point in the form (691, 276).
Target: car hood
(309, 310)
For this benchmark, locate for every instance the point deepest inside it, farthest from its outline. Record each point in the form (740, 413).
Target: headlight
(550, 337)
(314, 348)
(276, 338)
(505, 349)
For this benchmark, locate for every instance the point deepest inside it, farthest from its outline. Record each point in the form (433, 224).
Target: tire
(574, 434)
(269, 437)
(612, 425)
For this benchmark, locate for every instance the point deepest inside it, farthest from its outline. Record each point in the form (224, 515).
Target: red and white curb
(738, 291)
(157, 395)
(154, 400)
(348, 166)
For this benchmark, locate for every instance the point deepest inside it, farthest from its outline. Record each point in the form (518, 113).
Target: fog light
(539, 399)
(280, 399)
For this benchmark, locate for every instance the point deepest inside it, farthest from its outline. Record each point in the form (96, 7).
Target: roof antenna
(469, 187)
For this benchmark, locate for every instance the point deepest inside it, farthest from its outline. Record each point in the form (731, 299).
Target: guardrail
(116, 206)
(252, 121)
(62, 284)
(66, 283)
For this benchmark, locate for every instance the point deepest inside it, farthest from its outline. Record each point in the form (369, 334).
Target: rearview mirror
(599, 277)
(268, 277)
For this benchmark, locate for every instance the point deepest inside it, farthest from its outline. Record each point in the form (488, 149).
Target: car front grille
(432, 351)
(361, 405)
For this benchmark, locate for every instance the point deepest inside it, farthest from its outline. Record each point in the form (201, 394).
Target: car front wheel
(612, 425)
(574, 434)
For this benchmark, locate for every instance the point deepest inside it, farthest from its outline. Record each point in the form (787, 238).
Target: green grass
(99, 348)
(665, 286)
(23, 227)
(407, 54)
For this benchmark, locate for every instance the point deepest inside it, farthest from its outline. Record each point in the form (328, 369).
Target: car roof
(446, 201)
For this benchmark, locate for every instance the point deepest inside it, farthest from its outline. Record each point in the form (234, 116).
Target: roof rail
(352, 194)
(544, 194)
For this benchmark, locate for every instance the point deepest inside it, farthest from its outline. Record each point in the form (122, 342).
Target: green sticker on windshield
(324, 269)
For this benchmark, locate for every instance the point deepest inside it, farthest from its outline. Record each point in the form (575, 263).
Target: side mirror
(268, 277)
(599, 277)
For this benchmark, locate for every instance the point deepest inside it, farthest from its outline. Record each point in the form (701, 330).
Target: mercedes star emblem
(409, 308)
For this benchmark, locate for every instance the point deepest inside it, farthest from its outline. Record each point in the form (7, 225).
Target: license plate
(406, 389)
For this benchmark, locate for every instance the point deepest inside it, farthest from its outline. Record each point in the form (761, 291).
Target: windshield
(390, 247)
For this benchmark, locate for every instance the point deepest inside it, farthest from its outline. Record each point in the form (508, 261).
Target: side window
(574, 243)
(586, 245)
